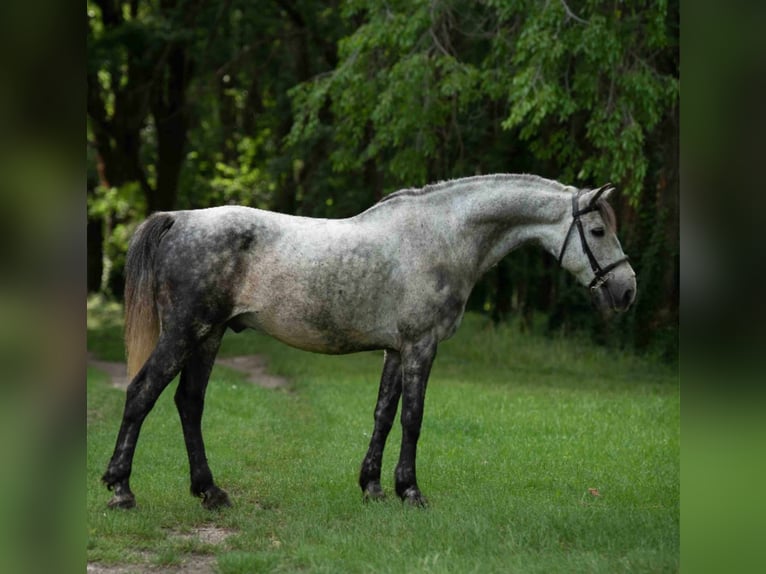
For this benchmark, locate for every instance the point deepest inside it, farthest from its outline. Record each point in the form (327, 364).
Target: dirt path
(190, 564)
(255, 367)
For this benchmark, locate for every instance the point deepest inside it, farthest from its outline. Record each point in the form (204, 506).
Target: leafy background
(322, 108)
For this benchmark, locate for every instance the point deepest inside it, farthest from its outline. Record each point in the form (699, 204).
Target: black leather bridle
(600, 274)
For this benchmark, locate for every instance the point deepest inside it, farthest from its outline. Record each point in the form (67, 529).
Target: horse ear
(605, 191)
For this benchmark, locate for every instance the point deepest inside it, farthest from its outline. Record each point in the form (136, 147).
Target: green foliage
(120, 209)
(585, 94)
(124, 202)
(394, 95)
(216, 182)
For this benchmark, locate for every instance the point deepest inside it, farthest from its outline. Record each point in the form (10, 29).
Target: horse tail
(142, 324)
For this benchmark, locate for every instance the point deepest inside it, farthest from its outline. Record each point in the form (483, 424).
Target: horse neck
(504, 213)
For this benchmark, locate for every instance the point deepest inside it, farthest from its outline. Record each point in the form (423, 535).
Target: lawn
(536, 455)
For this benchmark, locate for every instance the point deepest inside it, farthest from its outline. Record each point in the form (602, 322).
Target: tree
(138, 74)
(162, 75)
(140, 68)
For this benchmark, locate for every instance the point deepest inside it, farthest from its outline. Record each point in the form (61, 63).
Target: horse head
(597, 259)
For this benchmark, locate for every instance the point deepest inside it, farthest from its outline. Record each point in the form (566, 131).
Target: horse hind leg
(163, 365)
(385, 412)
(190, 401)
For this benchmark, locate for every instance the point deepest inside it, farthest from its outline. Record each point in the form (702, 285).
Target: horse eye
(597, 231)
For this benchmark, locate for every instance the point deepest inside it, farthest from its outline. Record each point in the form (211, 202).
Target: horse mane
(606, 211)
(433, 187)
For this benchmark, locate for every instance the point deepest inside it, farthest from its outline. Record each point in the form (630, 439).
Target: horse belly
(314, 335)
(328, 292)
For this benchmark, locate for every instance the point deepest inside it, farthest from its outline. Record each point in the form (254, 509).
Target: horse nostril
(627, 298)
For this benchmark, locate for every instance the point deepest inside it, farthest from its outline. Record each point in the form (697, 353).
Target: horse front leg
(417, 359)
(162, 366)
(190, 402)
(388, 400)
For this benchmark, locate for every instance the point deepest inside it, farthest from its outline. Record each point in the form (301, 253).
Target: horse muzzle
(617, 292)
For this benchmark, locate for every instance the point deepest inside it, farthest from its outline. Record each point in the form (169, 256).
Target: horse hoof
(413, 497)
(373, 491)
(214, 498)
(124, 500)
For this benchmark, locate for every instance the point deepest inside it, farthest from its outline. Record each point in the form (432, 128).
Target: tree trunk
(95, 240)
(171, 117)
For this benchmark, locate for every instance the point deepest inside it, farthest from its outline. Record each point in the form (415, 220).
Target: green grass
(517, 430)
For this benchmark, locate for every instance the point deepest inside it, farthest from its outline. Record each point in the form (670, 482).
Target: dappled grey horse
(395, 277)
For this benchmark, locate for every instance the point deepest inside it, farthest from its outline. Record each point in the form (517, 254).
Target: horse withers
(395, 277)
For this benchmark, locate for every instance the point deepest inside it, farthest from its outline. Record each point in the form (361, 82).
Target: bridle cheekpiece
(600, 274)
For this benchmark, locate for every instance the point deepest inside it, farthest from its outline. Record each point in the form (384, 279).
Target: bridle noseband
(600, 273)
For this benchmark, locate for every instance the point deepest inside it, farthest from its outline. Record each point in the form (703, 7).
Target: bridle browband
(600, 274)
